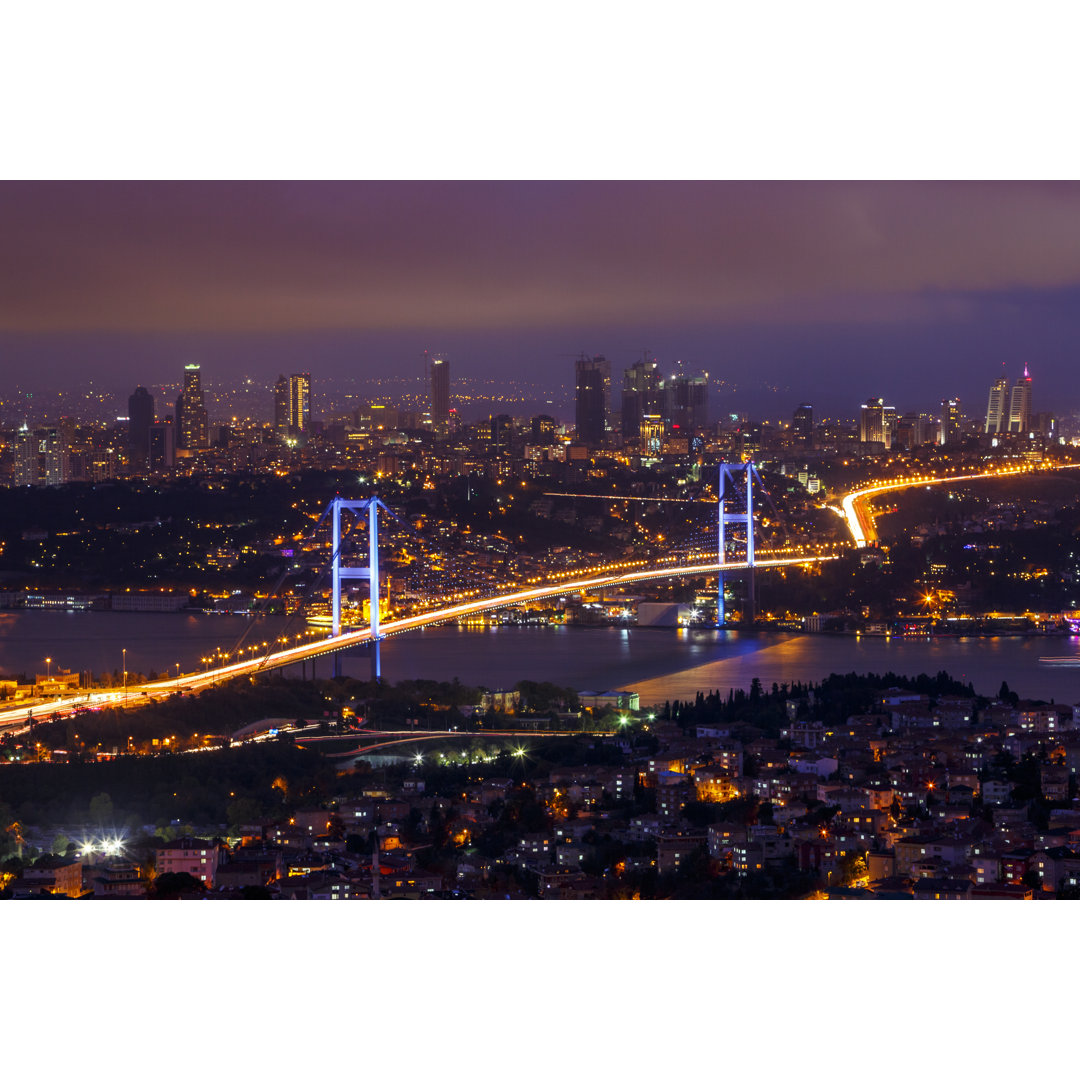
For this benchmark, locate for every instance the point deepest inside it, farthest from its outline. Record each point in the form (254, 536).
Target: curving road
(860, 518)
(139, 694)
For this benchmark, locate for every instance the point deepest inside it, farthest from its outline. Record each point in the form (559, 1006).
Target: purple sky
(829, 292)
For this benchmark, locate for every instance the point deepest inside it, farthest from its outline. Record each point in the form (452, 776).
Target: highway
(860, 518)
(17, 719)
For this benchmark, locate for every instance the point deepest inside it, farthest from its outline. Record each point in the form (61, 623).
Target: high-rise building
(802, 426)
(1020, 405)
(872, 424)
(914, 429)
(687, 402)
(192, 423)
(162, 449)
(292, 407)
(592, 386)
(651, 434)
(997, 413)
(42, 457)
(300, 405)
(543, 430)
(440, 394)
(281, 408)
(140, 418)
(641, 395)
(26, 458)
(951, 417)
(54, 457)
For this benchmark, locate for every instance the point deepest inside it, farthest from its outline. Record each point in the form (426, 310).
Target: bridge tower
(339, 572)
(740, 514)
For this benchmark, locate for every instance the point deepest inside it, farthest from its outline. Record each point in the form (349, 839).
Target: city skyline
(788, 291)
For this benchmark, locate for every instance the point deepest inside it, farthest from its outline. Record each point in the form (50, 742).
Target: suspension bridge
(365, 537)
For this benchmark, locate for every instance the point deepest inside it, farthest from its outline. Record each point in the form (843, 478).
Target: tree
(242, 811)
(101, 809)
(176, 886)
(853, 867)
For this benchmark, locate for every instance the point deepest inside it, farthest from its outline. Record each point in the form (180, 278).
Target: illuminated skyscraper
(651, 435)
(440, 394)
(950, 421)
(300, 405)
(191, 420)
(292, 407)
(26, 458)
(1020, 405)
(543, 430)
(997, 407)
(872, 425)
(802, 427)
(641, 395)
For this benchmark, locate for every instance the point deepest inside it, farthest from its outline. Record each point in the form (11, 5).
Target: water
(659, 664)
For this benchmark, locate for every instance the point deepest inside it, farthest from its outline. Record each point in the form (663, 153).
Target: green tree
(241, 811)
(175, 886)
(101, 809)
(853, 867)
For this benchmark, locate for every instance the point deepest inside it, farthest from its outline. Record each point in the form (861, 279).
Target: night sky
(827, 292)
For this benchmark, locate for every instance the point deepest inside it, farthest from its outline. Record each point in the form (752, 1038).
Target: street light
(48, 668)
(125, 674)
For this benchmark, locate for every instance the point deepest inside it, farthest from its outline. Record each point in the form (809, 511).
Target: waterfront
(659, 664)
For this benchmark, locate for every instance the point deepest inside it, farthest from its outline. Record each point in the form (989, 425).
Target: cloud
(152, 257)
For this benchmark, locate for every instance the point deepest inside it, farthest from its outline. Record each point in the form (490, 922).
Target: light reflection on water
(659, 664)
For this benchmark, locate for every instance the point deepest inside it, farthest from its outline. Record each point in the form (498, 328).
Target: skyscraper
(292, 407)
(440, 394)
(26, 457)
(592, 383)
(300, 405)
(687, 402)
(162, 450)
(950, 421)
(191, 420)
(641, 395)
(802, 426)
(281, 408)
(872, 426)
(996, 407)
(140, 417)
(1020, 405)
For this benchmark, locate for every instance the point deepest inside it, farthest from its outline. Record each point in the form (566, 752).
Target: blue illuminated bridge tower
(736, 508)
(370, 573)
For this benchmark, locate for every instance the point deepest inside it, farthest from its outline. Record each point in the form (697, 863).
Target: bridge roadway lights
(339, 572)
